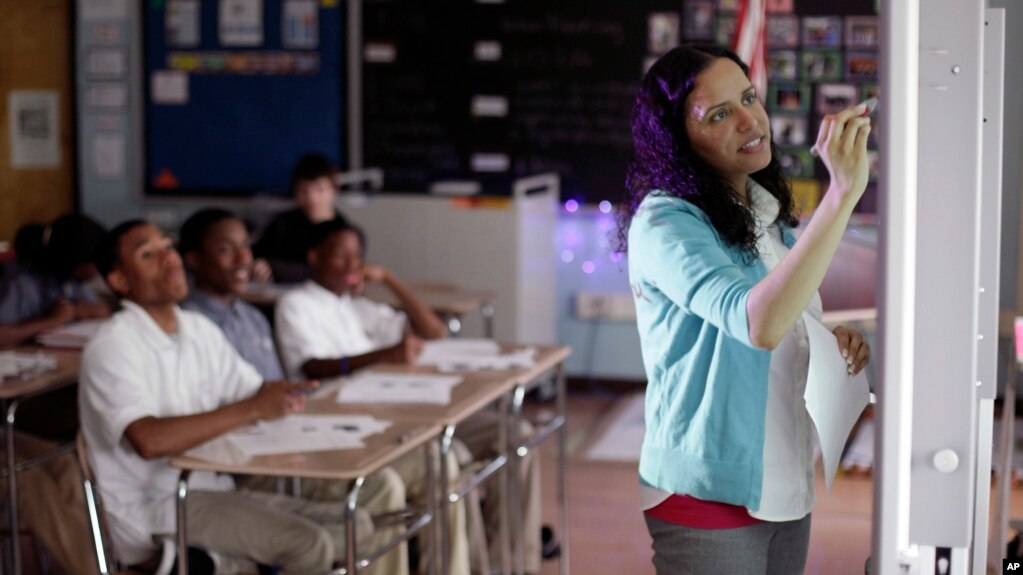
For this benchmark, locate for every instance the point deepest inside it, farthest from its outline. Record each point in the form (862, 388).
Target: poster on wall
(301, 24)
(241, 22)
(34, 121)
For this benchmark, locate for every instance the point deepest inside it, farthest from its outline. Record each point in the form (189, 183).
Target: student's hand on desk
(854, 348)
(279, 398)
(62, 312)
(92, 310)
(261, 271)
(408, 350)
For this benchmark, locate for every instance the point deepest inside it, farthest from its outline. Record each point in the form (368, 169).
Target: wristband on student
(344, 365)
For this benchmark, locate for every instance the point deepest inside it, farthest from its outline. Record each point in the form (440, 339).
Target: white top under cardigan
(789, 437)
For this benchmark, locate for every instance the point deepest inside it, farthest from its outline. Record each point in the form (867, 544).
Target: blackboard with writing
(489, 92)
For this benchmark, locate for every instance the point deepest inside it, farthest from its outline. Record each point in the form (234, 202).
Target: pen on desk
(870, 103)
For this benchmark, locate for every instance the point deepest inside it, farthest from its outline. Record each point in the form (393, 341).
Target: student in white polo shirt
(215, 246)
(156, 381)
(326, 328)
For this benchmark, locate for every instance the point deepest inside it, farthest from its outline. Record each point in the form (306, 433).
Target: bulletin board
(237, 90)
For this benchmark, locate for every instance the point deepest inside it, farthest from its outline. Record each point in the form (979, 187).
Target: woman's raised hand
(842, 145)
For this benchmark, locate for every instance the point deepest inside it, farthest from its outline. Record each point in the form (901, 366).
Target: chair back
(93, 507)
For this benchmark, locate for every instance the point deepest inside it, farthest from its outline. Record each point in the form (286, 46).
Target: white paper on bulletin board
(169, 87)
(241, 22)
(181, 23)
(103, 9)
(108, 151)
(35, 124)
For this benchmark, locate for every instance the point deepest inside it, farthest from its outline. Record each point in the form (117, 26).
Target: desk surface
(68, 363)
(443, 299)
(380, 449)
(476, 390)
(412, 425)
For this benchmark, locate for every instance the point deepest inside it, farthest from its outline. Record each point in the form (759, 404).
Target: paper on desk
(834, 399)
(473, 355)
(15, 365)
(73, 335)
(292, 434)
(381, 387)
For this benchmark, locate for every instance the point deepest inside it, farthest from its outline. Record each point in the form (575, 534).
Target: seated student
(215, 246)
(52, 290)
(325, 328)
(156, 381)
(283, 243)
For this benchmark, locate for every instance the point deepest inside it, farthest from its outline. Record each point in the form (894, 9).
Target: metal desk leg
(488, 319)
(504, 483)
(182, 501)
(562, 465)
(520, 451)
(12, 488)
(351, 555)
(445, 501)
(433, 534)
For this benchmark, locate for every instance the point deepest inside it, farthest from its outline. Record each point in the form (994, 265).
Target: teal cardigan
(706, 396)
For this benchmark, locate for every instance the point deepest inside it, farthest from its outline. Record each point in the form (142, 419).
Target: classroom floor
(608, 536)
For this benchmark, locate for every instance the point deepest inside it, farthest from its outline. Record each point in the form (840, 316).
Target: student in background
(215, 247)
(156, 381)
(326, 328)
(53, 289)
(282, 246)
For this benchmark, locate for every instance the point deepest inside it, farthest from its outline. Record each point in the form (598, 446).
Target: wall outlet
(607, 306)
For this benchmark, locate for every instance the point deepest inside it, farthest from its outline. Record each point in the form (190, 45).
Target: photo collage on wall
(817, 64)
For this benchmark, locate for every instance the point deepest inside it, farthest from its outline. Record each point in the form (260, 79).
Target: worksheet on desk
(383, 387)
(457, 354)
(293, 434)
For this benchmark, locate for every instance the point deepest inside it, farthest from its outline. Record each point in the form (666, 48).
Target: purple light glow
(571, 206)
(589, 267)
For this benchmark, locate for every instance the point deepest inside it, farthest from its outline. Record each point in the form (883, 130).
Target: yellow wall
(35, 54)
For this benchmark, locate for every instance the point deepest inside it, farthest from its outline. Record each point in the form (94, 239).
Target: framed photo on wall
(782, 65)
(822, 32)
(728, 5)
(788, 97)
(788, 130)
(725, 30)
(833, 98)
(821, 65)
(869, 90)
(796, 162)
(782, 31)
(779, 6)
(698, 20)
(662, 31)
(862, 32)
(861, 66)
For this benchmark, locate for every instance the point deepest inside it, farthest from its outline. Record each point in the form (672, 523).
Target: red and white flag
(749, 41)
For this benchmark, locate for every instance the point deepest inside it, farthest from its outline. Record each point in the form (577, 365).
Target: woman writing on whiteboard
(721, 285)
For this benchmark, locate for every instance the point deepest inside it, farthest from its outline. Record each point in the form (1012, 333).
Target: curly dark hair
(665, 160)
